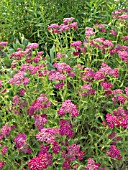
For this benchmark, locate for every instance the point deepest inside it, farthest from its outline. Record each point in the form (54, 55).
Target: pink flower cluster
(47, 135)
(5, 131)
(31, 68)
(123, 53)
(114, 152)
(106, 85)
(4, 150)
(40, 162)
(78, 48)
(66, 128)
(104, 71)
(21, 143)
(89, 32)
(92, 165)
(18, 104)
(32, 46)
(71, 153)
(119, 97)
(19, 54)
(19, 79)
(59, 85)
(107, 70)
(88, 89)
(101, 27)
(55, 148)
(2, 164)
(40, 120)
(120, 118)
(39, 104)
(68, 107)
(3, 44)
(62, 67)
(120, 14)
(56, 75)
(67, 25)
(102, 44)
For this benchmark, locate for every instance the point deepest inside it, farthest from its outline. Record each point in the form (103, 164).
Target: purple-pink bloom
(2, 164)
(66, 128)
(67, 20)
(4, 150)
(114, 152)
(6, 129)
(32, 46)
(55, 148)
(59, 85)
(56, 75)
(40, 120)
(73, 152)
(61, 67)
(47, 135)
(40, 162)
(92, 165)
(68, 107)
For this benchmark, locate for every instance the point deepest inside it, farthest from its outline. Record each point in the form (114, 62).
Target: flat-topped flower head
(68, 107)
(114, 152)
(40, 162)
(32, 46)
(68, 20)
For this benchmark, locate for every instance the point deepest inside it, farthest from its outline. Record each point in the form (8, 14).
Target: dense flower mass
(19, 79)
(21, 143)
(47, 135)
(73, 152)
(40, 103)
(40, 162)
(68, 107)
(114, 152)
(40, 120)
(5, 130)
(66, 128)
(92, 165)
(56, 75)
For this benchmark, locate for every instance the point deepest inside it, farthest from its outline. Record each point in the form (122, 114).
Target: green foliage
(31, 17)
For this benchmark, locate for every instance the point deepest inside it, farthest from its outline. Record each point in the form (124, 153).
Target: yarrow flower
(67, 20)
(106, 85)
(40, 120)
(72, 153)
(68, 107)
(5, 130)
(89, 32)
(19, 79)
(59, 85)
(21, 143)
(2, 164)
(61, 67)
(47, 135)
(56, 75)
(40, 162)
(92, 165)
(39, 104)
(55, 148)
(32, 46)
(114, 152)
(66, 128)
(4, 150)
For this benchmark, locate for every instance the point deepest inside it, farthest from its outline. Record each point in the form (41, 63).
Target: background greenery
(31, 17)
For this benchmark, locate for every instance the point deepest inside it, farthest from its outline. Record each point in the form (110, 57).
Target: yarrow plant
(66, 108)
